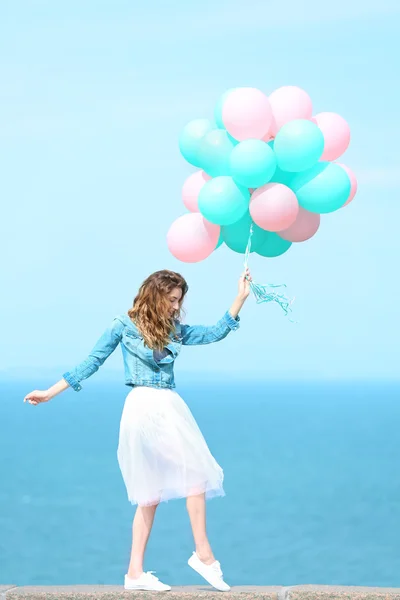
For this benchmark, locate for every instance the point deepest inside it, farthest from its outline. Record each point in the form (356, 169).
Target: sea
(312, 483)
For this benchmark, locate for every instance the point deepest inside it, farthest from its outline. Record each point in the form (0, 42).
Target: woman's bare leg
(196, 507)
(141, 528)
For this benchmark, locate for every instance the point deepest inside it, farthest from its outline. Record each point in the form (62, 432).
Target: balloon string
(266, 293)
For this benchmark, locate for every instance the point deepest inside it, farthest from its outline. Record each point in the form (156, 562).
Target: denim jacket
(139, 364)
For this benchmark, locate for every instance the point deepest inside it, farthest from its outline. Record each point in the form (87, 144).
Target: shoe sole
(145, 589)
(202, 575)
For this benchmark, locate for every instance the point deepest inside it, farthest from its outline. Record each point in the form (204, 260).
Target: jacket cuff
(74, 383)
(230, 321)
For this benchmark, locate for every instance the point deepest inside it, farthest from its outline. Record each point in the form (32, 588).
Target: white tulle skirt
(162, 453)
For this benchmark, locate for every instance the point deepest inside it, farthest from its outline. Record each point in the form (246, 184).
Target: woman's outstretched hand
(244, 284)
(243, 293)
(37, 397)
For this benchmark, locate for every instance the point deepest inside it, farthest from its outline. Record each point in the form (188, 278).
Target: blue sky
(94, 95)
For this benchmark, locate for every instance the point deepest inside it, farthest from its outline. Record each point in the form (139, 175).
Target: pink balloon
(353, 182)
(192, 238)
(274, 207)
(191, 189)
(247, 114)
(273, 130)
(304, 227)
(288, 103)
(336, 132)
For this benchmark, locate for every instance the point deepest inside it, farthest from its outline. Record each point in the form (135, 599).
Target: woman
(162, 453)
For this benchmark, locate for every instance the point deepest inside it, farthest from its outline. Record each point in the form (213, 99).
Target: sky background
(93, 97)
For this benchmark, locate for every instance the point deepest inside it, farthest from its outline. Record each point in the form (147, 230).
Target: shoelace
(149, 575)
(217, 568)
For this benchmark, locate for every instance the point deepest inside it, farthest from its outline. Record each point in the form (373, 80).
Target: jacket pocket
(131, 340)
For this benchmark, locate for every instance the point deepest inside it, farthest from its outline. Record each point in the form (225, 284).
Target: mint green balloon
(322, 189)
(222, 201)
(272, 245)
(283, 177)
(236, 236)
(219, 107)
(214, 153)
(190, 138)
(252, 163)
(280, 176)
(298, 145)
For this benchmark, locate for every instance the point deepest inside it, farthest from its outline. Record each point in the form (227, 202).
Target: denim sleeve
(200, 334)
(104, 346)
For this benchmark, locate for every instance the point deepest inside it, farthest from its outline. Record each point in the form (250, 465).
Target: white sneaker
(146, 581)
(211, 573)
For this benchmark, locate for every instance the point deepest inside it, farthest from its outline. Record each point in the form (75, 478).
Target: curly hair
(150, 310)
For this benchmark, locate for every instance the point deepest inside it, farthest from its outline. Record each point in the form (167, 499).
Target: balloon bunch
(266, 170)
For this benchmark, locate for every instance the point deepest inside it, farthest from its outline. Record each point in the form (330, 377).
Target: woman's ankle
(206, 556)
(134, 573)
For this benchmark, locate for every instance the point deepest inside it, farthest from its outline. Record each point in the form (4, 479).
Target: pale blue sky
(93, 97)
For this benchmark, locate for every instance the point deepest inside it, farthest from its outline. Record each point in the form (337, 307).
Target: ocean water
(312, 481)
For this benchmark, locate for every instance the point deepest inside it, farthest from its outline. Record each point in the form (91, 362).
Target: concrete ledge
(115, 592)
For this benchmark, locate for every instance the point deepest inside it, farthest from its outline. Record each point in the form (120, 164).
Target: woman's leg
(196, 507)
(141, 528)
